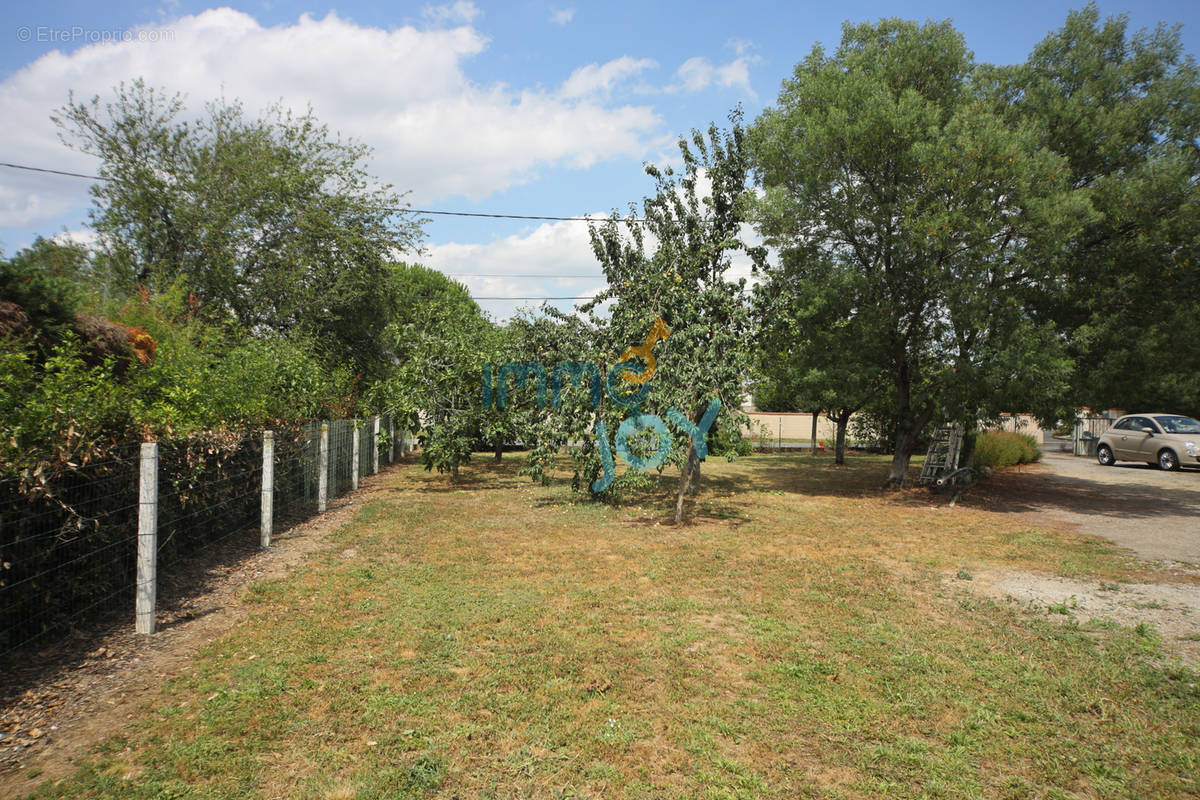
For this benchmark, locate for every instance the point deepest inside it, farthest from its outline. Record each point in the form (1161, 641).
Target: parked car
(1167, 440)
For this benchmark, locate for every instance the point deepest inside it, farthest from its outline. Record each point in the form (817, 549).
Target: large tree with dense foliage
(1124, 113)
(883, 158)
(270, 222)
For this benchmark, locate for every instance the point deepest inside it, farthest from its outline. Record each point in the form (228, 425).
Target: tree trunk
(689, 474)
(906, 443)
(843, 422)
(499, 451)
(815, 414)
(454, 471)
(907, 428)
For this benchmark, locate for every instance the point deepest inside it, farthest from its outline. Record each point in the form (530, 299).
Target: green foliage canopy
(270, 222)
(882, 159)
(1123, 112)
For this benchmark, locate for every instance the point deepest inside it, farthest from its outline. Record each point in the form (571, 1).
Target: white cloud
(402, 91)
(461, 12)
(561, 16)
(741, 47)
(553, 259)
(561, 250)
(28, 200)
(601, 78)
(698, 73)
(85, 236)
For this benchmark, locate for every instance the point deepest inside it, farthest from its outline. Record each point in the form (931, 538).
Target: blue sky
(544, 108)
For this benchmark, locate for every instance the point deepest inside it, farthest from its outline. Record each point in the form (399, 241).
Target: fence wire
(68, 535)
(67, 545)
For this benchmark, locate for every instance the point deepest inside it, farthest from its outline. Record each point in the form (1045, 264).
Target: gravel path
(1154, 513)
(1171, 609)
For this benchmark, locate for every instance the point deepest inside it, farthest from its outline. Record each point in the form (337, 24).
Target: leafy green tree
(45, 282)
(440, 344)
(882, 158)
(1124, 112)
(550, 337)
(270, 222)
(816, 350)
(673, 265)
(415, 292)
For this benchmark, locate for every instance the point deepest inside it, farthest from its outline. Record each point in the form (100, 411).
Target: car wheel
(1105, 456)
(1168, 460)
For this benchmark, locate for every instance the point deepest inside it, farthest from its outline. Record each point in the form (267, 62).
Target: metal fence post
(147, 550)
(375, 448)
(354, 454)
(323, 469)
(268, 488)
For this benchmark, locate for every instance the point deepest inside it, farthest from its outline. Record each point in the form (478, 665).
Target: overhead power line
(499, 216)
(53, 171)
(445, 297)
(518, 275)
(69, 174)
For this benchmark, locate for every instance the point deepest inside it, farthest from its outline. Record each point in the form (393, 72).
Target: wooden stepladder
(943, 455)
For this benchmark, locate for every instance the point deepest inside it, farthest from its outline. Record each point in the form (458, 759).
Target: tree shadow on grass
(721, 483)
(1020, 491)
(53, 678)
(860, 476)
(482, 474)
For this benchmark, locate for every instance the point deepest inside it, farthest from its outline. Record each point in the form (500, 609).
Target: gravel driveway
(1154, 513)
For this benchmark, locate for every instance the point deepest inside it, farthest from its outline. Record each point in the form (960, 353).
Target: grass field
(805, 636)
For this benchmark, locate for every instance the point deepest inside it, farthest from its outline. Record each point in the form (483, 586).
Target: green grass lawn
(802, 637)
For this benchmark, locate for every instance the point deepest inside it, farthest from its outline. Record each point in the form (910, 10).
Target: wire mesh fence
(66, 545)
(69, 534)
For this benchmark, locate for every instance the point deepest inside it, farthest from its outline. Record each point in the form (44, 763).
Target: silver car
(1167, 440)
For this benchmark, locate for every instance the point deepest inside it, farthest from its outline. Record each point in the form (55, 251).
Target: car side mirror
(1148, 430)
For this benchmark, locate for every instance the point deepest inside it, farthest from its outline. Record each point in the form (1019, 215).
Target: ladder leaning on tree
(944, 452)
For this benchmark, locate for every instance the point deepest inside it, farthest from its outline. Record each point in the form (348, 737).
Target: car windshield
(1178, 424)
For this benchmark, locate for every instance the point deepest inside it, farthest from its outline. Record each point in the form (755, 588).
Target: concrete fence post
(147, 540)
(354, 454)
(375, 448)
(268, 488)
(323, 469)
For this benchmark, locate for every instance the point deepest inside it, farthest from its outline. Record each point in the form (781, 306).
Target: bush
(998, 449)
(60, 410)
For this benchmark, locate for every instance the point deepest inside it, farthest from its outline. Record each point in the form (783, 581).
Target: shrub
(61, 410)
(999, 449)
